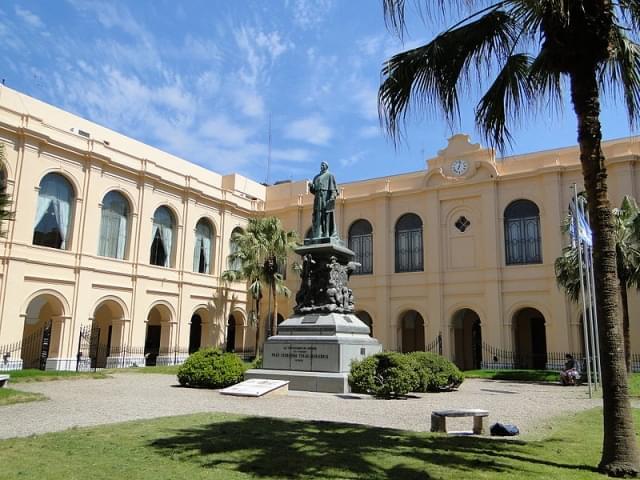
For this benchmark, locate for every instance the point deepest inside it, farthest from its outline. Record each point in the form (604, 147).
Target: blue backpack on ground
(504, 430)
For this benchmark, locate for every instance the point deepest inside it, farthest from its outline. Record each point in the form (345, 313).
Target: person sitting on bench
(569, 375)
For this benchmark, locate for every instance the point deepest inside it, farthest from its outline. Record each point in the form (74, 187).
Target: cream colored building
(117, 248)
(92, 209)
(438, 268)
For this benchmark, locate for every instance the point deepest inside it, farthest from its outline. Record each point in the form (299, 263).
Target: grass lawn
(9, 396)
(166, 370)
(35, 375)
(634, 385)
(517, 375)
(222, 446)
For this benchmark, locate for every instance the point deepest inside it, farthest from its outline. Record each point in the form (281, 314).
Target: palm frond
(567, 272)
(546, 81)
(395, 11)
(622, 72)
(431, 75)
(630, 11)
(394, 15)
(507, 98)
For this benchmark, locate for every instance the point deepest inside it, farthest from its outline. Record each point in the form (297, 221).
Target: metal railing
(30, 352)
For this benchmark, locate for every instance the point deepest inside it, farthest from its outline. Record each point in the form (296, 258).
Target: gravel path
(136, 396)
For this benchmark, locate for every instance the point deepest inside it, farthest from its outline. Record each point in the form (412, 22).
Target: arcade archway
(467, 339)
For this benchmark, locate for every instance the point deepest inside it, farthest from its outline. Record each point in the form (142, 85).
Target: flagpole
(583, 236)
(595, 320)
(594, 314)
(582, 291)
(590, 312)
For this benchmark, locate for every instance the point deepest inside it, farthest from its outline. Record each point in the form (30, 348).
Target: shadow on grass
(267, 447)
(516, 375)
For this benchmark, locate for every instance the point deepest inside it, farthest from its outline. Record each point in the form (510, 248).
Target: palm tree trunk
(257, 326)
(619, 453)
(274, 319)
(625, 325)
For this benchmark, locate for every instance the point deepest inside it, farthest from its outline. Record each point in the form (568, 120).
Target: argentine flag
(578, 219)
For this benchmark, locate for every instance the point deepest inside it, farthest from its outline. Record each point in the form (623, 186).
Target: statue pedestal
(314, 351)
(315, 347)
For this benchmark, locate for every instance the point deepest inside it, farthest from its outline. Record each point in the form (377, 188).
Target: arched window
(361, 242)
(162, 237)
(235, 264)
(522, 233)
(54, 212)
(114, 225)
(409, 256)
(202, 249)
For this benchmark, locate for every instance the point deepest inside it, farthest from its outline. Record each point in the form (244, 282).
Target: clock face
(459, 167)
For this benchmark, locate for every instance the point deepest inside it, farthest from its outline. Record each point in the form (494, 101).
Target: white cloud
(312, 130)
(370, 131)
(111, 16)
(29, 17)
(222, 130)
(260, 50)
(309, 13)
(291, 155)
(249, 102)
(272, 43)
(10, 39)
(207, 83)
(351, 160)
(200, 49)
(373, 44)
(365, 96)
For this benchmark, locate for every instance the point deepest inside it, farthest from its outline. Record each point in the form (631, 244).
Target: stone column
(55, 359)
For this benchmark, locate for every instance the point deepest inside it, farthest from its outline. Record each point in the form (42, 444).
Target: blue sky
(201, 78)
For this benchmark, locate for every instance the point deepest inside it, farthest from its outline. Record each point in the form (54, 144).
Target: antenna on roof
(269, 154)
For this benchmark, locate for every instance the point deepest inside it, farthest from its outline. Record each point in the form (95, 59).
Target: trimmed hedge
(211, 368)
(385, 374)
(436, 373)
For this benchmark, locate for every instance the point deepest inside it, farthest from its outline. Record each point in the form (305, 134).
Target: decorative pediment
(460, 161)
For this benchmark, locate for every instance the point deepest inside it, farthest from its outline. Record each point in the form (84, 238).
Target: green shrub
(256, 363)
(436, 373)
(386, 375)
(211, 368)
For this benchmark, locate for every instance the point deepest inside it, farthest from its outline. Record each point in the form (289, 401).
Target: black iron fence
(30, 352)
(501, 359)
(435, 346)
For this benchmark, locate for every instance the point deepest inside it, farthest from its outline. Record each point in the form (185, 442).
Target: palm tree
(527, 49)
(261, 247)
(627, 242)
(626, 223)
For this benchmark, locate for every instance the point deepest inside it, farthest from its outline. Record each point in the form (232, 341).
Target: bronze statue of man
(325, 191)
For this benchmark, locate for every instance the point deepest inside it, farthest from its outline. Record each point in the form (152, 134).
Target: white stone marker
(256, 387)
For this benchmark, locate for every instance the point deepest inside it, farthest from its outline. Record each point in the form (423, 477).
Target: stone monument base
(307, 381)
(314, 351)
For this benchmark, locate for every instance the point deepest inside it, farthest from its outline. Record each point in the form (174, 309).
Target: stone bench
(4, 380)
(439, 419)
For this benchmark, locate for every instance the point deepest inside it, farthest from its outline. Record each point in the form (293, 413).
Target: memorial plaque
(300, 356)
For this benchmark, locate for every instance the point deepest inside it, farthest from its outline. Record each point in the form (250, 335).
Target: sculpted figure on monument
(305, 294)
(325, 191)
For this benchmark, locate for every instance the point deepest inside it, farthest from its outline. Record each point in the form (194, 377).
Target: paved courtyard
(137, 396)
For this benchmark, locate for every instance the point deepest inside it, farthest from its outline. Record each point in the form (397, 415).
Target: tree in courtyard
(627, 236)
(627, 244)
(528, 51)
(260, 248)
